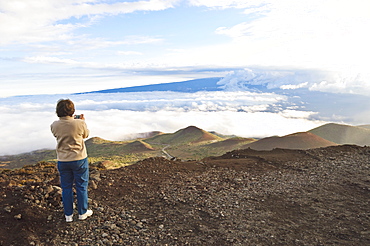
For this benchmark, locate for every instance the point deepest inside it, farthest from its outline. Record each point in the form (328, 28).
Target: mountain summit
(193, 143)
(299, 140)
(343, 134)
(190, 134)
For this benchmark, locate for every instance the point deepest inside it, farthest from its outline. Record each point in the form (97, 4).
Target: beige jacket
(70, 134)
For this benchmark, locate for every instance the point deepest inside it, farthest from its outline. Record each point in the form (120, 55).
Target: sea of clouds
(284, 103)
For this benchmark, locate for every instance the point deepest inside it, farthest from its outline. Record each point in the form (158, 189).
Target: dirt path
(170, 157)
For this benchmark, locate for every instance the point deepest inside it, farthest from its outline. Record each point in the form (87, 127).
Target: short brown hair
(65, 107)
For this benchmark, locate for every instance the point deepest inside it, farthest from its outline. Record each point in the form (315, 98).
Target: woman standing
(73, 165)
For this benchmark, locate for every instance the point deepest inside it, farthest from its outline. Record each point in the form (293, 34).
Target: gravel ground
(245, 197)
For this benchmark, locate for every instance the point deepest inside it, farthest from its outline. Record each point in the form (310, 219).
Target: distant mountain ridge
(193, 143)
(190, 134)
(344, 134)
(184, 142)
(206, 84)
(346, 104)
(365, 126)
(300, 140)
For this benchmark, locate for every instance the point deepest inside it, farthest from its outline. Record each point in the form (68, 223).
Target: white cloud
(271, 78)
(296, 114)
(345, 82)
(285, 44)
(24, 131)
(25, 121)
(292, 87)
(179, 102)
(226, 3)
(240, 30)
(315, 80)
(130, 53)
(235, 110)
(46, 59)
(321, 35)
(315, 34)
(259, 124)
(129, 40)
(27, 21)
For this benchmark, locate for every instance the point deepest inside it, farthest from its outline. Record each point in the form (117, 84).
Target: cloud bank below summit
(313, 80)
(249, 103)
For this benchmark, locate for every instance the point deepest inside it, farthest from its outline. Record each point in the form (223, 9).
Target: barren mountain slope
(122, 153)
(138, 146)
(343, 134)
(300, 140)
(200, 150)
(231, 142)
(245, 197)
(190, 134)
(365, 126)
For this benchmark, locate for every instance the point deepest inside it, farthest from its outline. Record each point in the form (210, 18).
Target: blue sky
(53, 46)
(50, 49)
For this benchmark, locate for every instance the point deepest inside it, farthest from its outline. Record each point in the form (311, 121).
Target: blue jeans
(74, 172)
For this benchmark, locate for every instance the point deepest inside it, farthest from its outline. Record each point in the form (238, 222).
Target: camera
(78, 116)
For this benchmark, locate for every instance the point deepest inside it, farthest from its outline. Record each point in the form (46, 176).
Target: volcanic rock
(245, 197)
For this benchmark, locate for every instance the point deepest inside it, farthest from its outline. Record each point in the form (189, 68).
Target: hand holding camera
(79, 116)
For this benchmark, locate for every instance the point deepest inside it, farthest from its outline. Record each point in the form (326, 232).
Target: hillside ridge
(194, 143)
(299, 140)
(190, 134)
(343, 134)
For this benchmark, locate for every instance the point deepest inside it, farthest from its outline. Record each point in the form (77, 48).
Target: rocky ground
(246, 197)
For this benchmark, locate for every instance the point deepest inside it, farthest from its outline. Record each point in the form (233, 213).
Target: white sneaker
(85, 215)
(69, 218)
